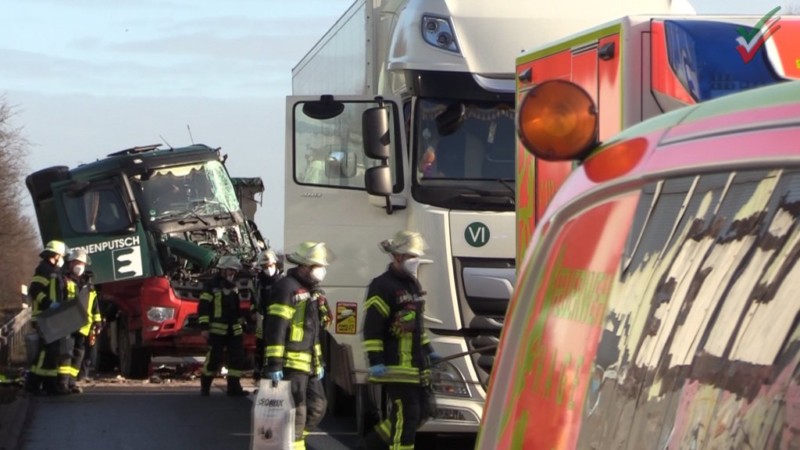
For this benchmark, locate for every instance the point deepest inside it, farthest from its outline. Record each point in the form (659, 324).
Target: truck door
(326, 199)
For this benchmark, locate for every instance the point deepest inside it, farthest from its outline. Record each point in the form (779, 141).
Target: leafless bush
(19, 243)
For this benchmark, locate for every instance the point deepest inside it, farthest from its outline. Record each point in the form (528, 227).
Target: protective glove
(54, 305)
(435, 357)
(320, 372)
(275, 376)
(377, 370)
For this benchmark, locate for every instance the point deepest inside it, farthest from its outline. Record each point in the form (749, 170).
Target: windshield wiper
(505, 182)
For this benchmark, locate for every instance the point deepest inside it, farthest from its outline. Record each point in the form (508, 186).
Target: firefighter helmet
(229, 262)
(79, 254)
(311, 254)
(404, 243)
(267, 257)
(57, 247)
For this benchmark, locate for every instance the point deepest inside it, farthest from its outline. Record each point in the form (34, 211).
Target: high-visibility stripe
(297, 331)
(299, 445)
(274, 351)
(384, 429)
(41, 280)
(41, 296)
(203, 319)
(299, 356)
(379, 304)
(297, 365)
(398, 424)
(72, 290)
(218, 304)
(205, 371)
(373, 345)
(405, 349)
(234, 373)
(318, 349)
(205, 296)
(425, 340)
(280, 310)
(53, 291)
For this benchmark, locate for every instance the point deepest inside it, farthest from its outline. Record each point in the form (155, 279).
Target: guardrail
(12, 339)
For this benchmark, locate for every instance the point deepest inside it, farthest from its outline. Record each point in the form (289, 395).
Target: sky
(86, 78)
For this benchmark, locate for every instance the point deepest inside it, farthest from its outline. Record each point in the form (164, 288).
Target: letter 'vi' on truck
(637, 67)
(434, 153)
(154, 222)
(657, 304)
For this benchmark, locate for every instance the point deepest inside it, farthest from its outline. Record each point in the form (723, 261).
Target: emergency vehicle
(637, 67)
(657, 304)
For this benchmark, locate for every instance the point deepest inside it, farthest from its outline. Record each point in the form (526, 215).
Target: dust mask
(78, 270)
(60, 262)
(230, 278)
(411, 266)
(271, 270)
(318, 274)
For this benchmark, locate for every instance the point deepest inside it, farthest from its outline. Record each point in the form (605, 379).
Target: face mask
(60, 262)
(230, 277)
(318, 273)
(271, 270)
(78, 270)
(411, 266)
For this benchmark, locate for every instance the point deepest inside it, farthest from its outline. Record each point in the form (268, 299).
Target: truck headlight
(447, 380)
(438, 32)
(159, 314)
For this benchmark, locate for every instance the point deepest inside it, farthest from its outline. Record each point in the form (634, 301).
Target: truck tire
(38, 183)
(134, 361)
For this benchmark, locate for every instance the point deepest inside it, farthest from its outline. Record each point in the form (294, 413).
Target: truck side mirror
(375, 127)
(378, 181)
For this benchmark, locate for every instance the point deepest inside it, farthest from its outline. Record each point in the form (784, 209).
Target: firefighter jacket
(73, 287)
(47, 287)
(219, 309)
(393, 329)
(292, 326)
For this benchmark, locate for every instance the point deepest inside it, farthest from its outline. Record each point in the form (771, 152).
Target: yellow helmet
(57, 247)
(404, 243)
(311, 254)
(79, 254)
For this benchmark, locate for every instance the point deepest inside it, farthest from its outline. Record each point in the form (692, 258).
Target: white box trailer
(444, 72)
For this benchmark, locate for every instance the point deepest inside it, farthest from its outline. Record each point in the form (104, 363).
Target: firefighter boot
(33, 383)
(205, 385)
(235, 388)
(62, 387)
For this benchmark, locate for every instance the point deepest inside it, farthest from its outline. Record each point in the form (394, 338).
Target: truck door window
(97, 209)
(330, 152)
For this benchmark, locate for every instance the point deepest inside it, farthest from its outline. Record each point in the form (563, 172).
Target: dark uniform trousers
(410, 407)
(218, 345)
(309, 395)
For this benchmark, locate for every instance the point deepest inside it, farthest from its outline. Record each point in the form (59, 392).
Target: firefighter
(76, 278)
(222, 325)
(268, 275)
(398, 348)
(47, 291)
(292, 329)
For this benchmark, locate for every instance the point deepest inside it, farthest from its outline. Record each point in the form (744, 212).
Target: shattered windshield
(464, 140)
(197, 189)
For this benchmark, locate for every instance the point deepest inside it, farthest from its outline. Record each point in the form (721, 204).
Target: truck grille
(484, 290)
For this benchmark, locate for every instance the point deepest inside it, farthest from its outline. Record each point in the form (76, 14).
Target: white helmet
(267, 257)
(229, 262)
(404, 243)
(311, 254)
(57, 247)
(79, 254)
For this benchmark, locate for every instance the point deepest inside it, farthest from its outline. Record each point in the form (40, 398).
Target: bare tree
(18, 237)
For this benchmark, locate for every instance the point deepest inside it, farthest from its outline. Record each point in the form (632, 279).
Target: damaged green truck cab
(154, 221)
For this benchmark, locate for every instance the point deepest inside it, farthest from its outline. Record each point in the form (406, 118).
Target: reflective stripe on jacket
(47, 287)
(292, 326)
(219, 308)
(394, 333)
(92, 309)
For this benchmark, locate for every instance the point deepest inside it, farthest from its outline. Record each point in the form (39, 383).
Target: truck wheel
(134, 361)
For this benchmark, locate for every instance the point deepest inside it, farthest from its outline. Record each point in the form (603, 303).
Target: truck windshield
(200, 189)
(464, 141)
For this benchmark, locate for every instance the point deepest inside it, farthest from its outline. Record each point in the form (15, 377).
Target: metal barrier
(12, 339)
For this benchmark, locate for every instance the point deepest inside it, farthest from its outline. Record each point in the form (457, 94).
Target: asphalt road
(127, 415)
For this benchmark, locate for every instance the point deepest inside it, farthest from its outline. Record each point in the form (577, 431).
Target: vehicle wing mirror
(378, 181)
(325, 108)
(375, 127)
